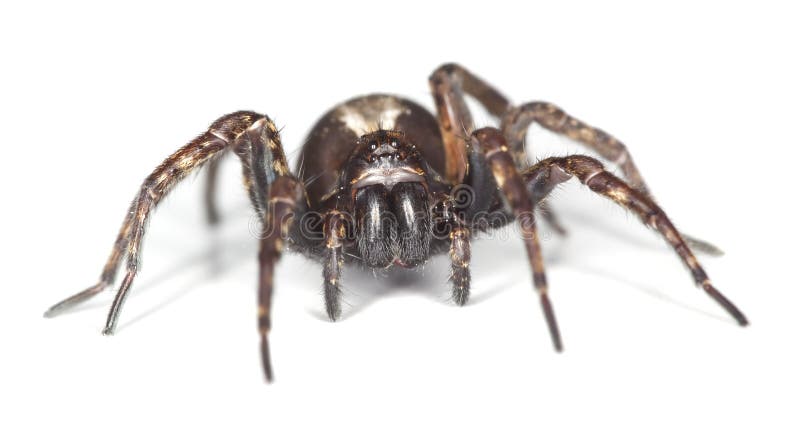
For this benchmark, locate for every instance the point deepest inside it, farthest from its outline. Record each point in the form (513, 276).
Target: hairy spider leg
(460, 256)
(449, 224)
(449, 84)
(286, 199)
(516, 196)
(517, 120)
(546, 174)
(334, 232)
(253, 138)
(515, 126)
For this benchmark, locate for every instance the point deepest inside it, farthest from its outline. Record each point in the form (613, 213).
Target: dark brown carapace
(385, 183)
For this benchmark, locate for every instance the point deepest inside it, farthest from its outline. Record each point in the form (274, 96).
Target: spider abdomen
(335, 135)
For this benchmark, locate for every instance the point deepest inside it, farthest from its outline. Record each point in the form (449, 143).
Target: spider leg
(252, 136)
(109, 270)
(210, 193)
(335, 232)
(516, 195)
(517, 120)
(286, 197)
(460, 255)
(515, 126)
(451, 82)
(448, 222)
(545, 175)
(448, 84)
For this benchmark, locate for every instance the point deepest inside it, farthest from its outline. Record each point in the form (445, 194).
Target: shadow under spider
(650, 291)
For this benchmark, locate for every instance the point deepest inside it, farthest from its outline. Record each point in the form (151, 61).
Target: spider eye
(394, 143)
(373, 145)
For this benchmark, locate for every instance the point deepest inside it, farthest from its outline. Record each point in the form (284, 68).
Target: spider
(395, 197)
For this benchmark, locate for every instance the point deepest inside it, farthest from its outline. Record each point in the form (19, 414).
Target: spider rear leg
(517, 120)
(251, 135)
(448, 84)
(545, 175)
(109, 270)
(516, 195)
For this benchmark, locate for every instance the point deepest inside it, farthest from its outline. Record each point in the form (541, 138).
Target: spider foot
(460, 294)
(550, 316)
(265, 358)
(460, 278)
(75, 299)
(333, 301)
(53, 311)
(725, 303)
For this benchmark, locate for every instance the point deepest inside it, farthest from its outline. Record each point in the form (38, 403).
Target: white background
(94, 96)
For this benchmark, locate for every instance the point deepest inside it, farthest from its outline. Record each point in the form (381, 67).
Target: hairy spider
(382, 198)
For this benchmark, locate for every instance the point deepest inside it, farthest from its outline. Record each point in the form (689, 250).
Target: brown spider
(396, 197)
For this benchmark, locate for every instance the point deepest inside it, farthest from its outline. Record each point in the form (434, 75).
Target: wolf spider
(383, 198)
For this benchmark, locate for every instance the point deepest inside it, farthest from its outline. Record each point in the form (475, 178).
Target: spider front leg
(252, 136)
(545, 175)
(449, 224)
(334, 231)
(286, 198)
(210, 193)
(515, 193)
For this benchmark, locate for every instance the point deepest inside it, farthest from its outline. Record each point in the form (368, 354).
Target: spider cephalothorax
(386, 188)
(379, 198)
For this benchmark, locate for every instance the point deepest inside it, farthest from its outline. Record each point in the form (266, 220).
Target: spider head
(384, 157)
(387, 180)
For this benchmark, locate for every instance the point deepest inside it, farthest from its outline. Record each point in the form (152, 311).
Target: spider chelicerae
(395, 197)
